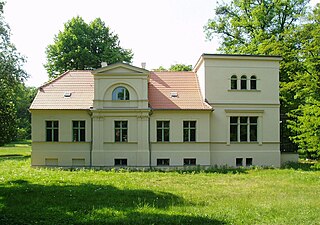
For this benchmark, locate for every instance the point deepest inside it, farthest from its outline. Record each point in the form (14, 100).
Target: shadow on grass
(17, 143)
(25, 203)
(17, 157)
(302, 166)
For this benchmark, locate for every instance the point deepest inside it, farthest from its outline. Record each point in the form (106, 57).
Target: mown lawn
(257, 196)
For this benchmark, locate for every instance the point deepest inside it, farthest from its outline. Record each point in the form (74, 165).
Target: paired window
(243, 129)
(163, 131)
(189, 162)
(189, 131)
(52, 131)
(121, 131)
(78, 131)
(239, 162)
(163, 162)
(244, 85)
(120, 93)
(120, 162)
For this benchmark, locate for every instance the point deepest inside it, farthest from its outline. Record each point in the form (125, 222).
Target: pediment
(120, 69)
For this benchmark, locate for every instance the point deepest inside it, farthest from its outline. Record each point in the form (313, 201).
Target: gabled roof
(77, 83)
(166, 90)
(164, 86)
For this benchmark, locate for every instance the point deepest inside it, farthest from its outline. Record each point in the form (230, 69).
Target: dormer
(120, 86)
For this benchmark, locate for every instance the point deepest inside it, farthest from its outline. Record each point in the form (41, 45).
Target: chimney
(143, 65)
(104, 64)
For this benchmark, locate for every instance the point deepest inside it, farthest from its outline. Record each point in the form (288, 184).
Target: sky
(159, 32)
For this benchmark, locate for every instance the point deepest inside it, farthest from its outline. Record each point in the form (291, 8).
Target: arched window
(243, 82)
(234, 80)
(120, 93)
(253, 82)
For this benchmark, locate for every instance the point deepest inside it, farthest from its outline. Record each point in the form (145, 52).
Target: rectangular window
(120, 131)
(79, 131)
(248, 161)
(189, 162)
(163, 162)
(52, 131)
(163, 131)
(189, 131)
(239, 161)
(243, 129)
(120, 162)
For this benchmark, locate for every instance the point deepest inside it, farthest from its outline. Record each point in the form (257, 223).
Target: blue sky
(160, 32)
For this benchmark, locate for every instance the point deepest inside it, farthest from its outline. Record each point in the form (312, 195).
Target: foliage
(180, 67)
(306, 86)
(175, 67)
(84, 46)
(54, 196)
(11, 77)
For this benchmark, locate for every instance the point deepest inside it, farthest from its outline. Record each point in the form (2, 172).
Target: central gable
(120, 69)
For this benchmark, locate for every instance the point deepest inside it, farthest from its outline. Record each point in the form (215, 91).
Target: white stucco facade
(239, 126)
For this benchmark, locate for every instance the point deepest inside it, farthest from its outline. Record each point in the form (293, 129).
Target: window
(253, 83)
(234, 82)
(248, 161)
(52, 131)
(243, 129)
(120, 162)
(189, 131)
(239, 161)
(79, 131)
(243, 82)
(120, 131)
(120, 93)
(189, 162)
(163, 162)
(163, 131)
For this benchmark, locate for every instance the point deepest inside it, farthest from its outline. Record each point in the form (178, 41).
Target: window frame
(246, 127)
(53, 129)
(123, 131)
(188, 161)
(166, 161)
(163, 129)
(234, 82)
(120, 162)
(253, 82)
(189, 130)
(115, 94)
(243, 82)
(79, 130)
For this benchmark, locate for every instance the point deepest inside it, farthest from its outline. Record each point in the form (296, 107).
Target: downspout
(149, 140)
(91, 142)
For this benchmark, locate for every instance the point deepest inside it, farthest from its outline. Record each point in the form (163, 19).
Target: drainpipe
(149, 140)
(91, 142)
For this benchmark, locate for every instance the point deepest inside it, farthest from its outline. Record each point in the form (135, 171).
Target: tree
(11, 76)
(180, 67)
(84, 46)
(264, 27)
(175, 67)
(306, 84)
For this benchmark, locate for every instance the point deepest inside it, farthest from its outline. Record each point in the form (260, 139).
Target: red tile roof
(161, 85)
(51, 95)
(184, 84)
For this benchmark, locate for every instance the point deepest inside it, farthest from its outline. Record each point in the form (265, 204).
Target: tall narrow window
(244, 129)
(163, 131)
(243, 82)
(79, 131)
(253, 82)
(120, 131)
(189, 131)
(234, 81)
(120, 93)
(52, 131)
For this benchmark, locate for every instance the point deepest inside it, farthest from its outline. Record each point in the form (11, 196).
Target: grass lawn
(52, 196)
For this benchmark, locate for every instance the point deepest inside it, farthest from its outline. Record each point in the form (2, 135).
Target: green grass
(16, 149)
(256, 196)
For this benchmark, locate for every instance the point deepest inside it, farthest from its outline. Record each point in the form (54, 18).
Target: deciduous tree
(84, 46)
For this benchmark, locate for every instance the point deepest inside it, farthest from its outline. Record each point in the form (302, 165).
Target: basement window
(239, 162)
(163, 162)
(120, 162)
